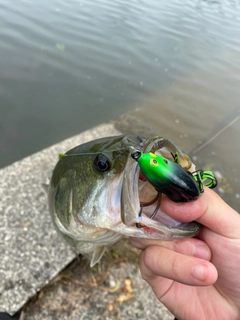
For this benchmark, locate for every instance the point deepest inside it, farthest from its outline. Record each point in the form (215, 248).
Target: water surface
(66, 66)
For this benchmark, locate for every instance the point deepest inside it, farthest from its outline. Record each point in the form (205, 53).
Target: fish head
(96, 190)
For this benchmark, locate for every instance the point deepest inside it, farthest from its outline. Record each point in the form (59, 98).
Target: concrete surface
(31, 251)
(113, 289)
(33, 254)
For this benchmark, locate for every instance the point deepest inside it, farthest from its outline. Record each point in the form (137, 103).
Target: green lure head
(167, 177)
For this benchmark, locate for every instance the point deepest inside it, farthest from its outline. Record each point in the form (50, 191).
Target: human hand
(197, 278)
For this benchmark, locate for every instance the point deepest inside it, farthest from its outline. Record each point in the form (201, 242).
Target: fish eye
(102, 163)
(165, 161)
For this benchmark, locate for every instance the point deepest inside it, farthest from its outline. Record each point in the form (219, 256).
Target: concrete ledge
(31, 251)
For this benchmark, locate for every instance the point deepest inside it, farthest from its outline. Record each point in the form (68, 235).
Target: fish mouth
(139, 200)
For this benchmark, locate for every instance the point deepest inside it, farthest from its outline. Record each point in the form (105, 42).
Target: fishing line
(63, 155)
(228, 125)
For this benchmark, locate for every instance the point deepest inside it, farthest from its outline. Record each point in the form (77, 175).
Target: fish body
(95, 194)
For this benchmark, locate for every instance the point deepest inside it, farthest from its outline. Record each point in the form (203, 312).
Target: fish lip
(130, 206)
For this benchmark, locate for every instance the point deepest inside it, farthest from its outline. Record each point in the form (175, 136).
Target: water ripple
(100, 57)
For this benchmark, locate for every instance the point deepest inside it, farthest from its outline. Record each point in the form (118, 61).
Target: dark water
(66, 66)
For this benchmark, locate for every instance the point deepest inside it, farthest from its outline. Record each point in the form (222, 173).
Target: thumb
(209, 209)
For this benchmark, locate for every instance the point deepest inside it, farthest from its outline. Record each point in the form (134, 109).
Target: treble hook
(158, 198)
(204, 178)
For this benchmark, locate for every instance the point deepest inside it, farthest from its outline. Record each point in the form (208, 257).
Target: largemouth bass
(97, 191)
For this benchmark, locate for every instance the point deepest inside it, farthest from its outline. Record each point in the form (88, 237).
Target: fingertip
(202, 251)
(157, 261)
(146, 257)
(204, 273)
(148, 263)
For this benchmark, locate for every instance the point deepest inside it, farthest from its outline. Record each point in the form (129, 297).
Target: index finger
(209, 209)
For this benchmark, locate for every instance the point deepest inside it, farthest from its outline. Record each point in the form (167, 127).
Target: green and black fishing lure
(169, 178)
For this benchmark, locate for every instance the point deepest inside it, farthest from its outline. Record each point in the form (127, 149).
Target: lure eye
(102, 163)
(153, 162)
